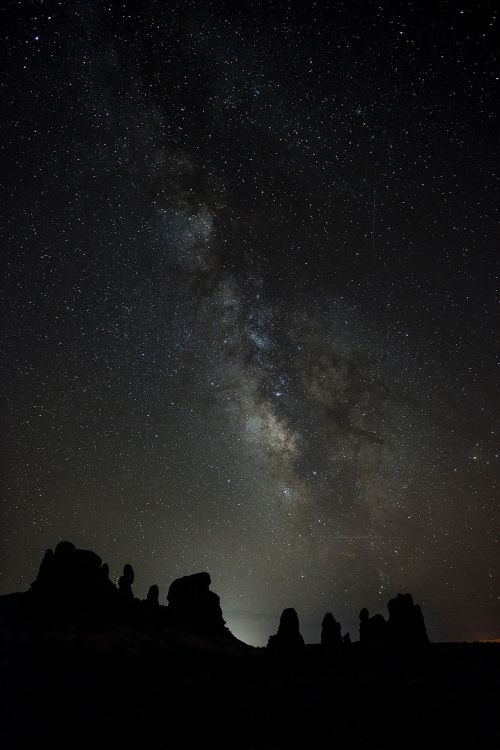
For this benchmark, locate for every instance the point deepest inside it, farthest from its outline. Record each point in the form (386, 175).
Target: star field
(250, 273)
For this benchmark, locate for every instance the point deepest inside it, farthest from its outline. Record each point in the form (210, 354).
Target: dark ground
(92, 688)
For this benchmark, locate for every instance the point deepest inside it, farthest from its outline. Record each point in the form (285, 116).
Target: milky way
(249, 294)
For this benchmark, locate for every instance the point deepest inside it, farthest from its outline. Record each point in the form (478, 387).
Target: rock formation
(331, 636)
(125, 582)
(193, 607)
(288, 637)
(372, 630)
(152, 599)
(406, 626)
(72, 578)
(73, 587)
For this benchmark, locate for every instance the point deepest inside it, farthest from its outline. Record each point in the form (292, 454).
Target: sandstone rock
(193, 607)
(331, 636)
(288, 636)
(153, 597)
(406, 626)
(372, 630)
(71, 577)
(125, 582)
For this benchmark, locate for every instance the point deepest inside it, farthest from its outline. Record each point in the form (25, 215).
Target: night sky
(248, 303)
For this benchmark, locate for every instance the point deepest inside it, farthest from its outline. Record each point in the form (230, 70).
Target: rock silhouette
(406, 626)
(71, 578)
(288, 637)
(135, 681)
(372, 630)
(153, 596)
(78, 651)
(193, 607)
(73, 585)
(125, 582)
(331, 636)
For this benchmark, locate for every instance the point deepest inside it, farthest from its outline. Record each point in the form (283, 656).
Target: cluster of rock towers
(74, 583)
(405, 627)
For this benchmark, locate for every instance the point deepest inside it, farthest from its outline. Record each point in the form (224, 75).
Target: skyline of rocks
(75, 583)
